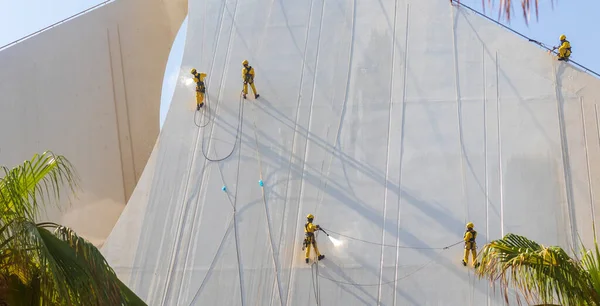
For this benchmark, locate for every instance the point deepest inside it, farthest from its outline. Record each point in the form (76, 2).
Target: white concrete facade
(395, 122)
(89, 89)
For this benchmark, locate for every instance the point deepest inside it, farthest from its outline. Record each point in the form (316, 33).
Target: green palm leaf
(69, 269)
(107, 287)
(540, 274)
(591, 263)
(41, 267)
(41, 178)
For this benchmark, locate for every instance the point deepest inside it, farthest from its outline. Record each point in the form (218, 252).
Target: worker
(200, 87)
(248, 77)
(470, 245)
(564, 50)
(309, 239)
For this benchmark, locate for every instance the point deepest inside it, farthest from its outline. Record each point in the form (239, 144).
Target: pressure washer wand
(321, 229)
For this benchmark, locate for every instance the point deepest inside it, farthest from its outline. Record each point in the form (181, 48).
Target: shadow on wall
(534, 188)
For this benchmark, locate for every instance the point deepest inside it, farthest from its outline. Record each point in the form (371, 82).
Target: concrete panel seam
(587, 161)
(565, 157)
(387, 155)
(485, 156)
(499, 128)
(402, 122)
(112, 76)
(135, 177)
(462, 152)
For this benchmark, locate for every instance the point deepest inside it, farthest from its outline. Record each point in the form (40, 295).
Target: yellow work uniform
(564, 51)
(248, 77)
(470, 245)
(200, 88)
(309, 231)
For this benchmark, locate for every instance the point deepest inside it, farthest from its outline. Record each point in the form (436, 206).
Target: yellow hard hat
(310, 216)
(470, 225)
(245, 62)
(193, 71)
(563, 37)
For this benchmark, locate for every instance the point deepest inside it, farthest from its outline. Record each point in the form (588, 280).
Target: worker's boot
(198, 106)
(476, 265)
(321, 256)
(306, 260)
(256, 96)
(244, 96)
(464, 263)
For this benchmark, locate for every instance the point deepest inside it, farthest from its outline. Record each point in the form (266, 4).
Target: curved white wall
(90, 89)
(393, 121)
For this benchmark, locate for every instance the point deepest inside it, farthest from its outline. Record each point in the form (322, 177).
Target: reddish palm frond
(505, 8)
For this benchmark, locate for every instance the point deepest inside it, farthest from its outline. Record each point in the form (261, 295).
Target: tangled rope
(237, 133)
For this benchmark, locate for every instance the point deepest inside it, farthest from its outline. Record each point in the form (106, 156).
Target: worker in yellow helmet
(200, 87)
(248, 77)
(564, 50)
(470, 245)
(309, 239)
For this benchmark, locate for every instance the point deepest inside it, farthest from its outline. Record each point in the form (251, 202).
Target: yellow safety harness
(200, 84)
(247, 76)
(469, 244)
(569, 48)
(309, 237)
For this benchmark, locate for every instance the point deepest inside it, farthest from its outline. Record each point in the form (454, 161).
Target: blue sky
(575, 18)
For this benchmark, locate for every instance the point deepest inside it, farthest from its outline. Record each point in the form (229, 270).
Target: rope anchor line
(205, 115)
(419, 268)
(395, 246)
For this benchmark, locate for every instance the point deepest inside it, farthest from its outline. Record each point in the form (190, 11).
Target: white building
(395, 122)
(89, 88)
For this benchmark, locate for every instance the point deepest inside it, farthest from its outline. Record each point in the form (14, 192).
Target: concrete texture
(89, 89)
(395, 122)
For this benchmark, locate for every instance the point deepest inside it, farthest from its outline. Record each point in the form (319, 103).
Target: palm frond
(24, 187)
(505, 8)
(73, 271)
(16, 252)
(57, 268)
(591, 263)
(540, 274)
(62, 268)
(108, 289)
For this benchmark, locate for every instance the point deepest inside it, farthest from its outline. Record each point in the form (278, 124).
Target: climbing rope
(237, 133)
(205, 113)
(392, 245)
(266, 208)
(314, 277)
(233, 203)
(441, 249)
